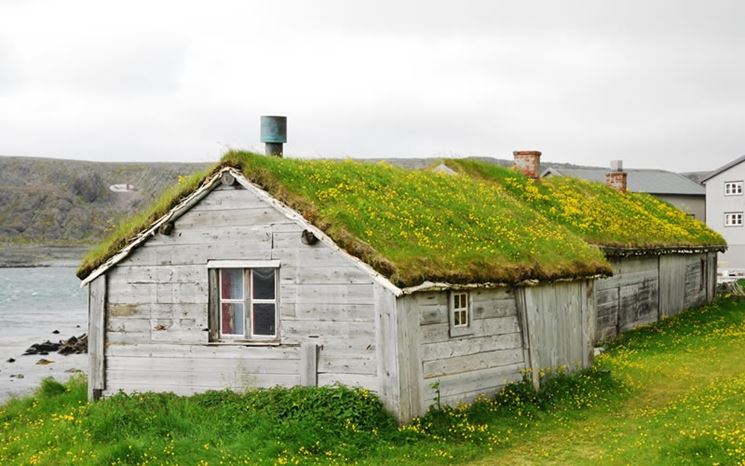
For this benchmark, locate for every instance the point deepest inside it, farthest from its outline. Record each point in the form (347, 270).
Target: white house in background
(725, 205)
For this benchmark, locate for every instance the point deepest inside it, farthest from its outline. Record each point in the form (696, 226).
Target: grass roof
(410, 225)
(597, 213)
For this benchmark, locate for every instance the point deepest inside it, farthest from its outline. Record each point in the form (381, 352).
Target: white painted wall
(716, 206)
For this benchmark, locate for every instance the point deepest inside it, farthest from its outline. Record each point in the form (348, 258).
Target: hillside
(52, 201)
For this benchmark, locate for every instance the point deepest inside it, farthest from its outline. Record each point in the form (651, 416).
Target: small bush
(51, 388)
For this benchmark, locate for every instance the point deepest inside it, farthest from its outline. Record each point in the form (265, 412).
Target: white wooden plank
(432, 333)
(314, 275)
(387, 382)
(210, 352)
(486, 380)
(233, 217)
(202, 367)
(332, 293)
(472, 362)
(223, 199)
(334, 312)
(309, 364)
(185, 254)
(195, 311)
(242, 264)
(433, 314)
(346, 365)
(164, 293)
(464, 346)
(409, 359)
(124, 275)
(316, 328)
(96, 337)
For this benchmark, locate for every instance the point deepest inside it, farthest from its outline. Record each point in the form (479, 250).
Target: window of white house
(733, 188)
(460, 314)
(733, 219)
(243, 301)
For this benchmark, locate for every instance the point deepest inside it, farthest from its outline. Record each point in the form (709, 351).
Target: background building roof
(650, 181)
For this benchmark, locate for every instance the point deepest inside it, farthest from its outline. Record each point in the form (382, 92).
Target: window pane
(263, 319)
(263, 283)
(232, 319)
(456, 318)
(232, 283)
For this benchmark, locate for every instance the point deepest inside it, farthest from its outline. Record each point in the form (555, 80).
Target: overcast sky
(655, 83)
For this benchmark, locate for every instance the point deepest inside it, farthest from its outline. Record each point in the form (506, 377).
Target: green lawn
(673, 393)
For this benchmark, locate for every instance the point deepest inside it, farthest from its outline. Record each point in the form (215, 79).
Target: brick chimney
(616, 178)
(528, 162)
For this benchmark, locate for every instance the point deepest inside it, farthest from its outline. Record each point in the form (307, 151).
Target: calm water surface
(36, 297)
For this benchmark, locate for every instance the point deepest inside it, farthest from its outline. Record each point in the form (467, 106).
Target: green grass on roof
(599, 214)
(410, 225)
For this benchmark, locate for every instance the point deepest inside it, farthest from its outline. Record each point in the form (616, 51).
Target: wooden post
(524, 303)
(96, 337)
(309, 364)
(213, 313)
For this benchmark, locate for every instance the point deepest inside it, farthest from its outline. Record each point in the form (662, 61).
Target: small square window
(733, 219)
(460, 314)
(243, 305)
(733, 188)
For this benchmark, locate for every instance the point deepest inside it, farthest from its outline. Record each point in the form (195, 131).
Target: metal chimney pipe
(273, 134)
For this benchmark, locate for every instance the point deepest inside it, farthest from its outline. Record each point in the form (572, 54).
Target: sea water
(35, 299)
(38, 304)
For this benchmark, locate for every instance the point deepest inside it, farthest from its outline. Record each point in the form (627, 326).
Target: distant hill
(68, 202)
(52, 201)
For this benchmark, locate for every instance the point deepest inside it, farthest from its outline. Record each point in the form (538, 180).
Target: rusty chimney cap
(527, 152)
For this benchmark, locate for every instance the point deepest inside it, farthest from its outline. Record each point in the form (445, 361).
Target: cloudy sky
(655, 83)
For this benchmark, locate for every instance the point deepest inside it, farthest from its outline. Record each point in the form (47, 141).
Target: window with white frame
(460, 313)
(243, 300)
(733, 219)
(733, 188)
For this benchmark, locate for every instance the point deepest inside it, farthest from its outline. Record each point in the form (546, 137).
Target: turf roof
(597, 213)
(494, 225)
(410, 225)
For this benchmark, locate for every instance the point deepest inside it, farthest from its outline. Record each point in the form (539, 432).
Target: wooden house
(268, 271)
(663, 260)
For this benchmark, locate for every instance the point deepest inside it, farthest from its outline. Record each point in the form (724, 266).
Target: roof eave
(659, 251)
(724, 168)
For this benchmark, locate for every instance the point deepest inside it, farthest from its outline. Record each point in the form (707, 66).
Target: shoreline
(34, 302)
(41, 255)
(61, 367)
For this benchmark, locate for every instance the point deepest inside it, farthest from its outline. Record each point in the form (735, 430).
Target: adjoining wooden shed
(663, 260)
(268, 271)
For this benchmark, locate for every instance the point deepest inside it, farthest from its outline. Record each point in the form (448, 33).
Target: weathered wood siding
(96, 337)
(157, 334)
(629, 298)
(644, 289)
(463, 366)
(683, 282)
(559, 324)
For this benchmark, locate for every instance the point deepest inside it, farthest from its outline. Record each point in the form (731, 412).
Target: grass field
(673, 393)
